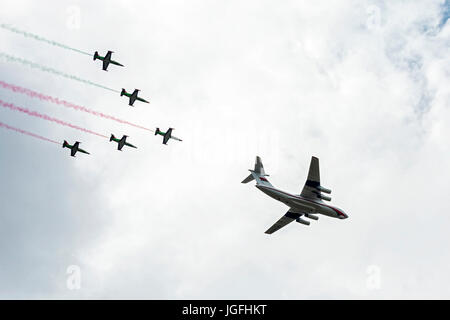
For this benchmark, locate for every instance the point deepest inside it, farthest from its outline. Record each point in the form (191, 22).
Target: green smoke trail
(36, 37)
(34, 65)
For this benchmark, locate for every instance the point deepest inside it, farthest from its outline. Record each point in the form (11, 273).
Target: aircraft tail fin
(157, 131)
(112, 137)
(259, 168)
(258, 174)
(123, 92)
(96, 55)
(65, 144)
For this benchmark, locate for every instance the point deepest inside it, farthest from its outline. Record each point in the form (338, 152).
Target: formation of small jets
(306, 204)
(133, 97)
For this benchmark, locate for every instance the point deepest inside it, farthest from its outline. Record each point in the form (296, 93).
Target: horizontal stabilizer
(248, 179)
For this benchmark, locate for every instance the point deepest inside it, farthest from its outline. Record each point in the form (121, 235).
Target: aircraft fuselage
(302, 204)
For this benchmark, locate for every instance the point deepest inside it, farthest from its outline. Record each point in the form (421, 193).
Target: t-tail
(258, 174)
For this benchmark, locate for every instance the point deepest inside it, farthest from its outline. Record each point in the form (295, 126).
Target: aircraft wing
(313, 181)
(120, 144)
(167, 136)
(106, 64)
(132, 99)
(74, 149)
(283, 221)
(108, 55)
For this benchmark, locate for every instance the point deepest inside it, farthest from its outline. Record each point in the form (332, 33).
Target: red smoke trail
(4, 125)
(46, 117)
(64, 103)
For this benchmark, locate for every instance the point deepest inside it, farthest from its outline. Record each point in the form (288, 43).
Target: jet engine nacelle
(310, 216)
(324, 190)
(300, 220)
(321, 196)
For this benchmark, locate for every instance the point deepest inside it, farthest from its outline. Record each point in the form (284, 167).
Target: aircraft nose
(340, 214)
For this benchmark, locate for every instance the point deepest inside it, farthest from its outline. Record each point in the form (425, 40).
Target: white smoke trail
(35, 65)
(36, 37)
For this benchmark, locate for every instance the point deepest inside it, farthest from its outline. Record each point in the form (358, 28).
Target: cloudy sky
(363, 85)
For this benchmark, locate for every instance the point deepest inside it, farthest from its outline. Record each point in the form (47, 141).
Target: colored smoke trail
(40, 96)
(46, 117)
(4, 125)
(36, 37)
(34, 65)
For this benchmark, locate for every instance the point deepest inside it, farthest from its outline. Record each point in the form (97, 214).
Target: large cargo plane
(307, 204)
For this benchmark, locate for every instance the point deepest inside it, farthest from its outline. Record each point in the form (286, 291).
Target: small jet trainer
(306, 204)
(133, 96)
(121, 142)
(106, 60)
(167, 135)
(74, 149)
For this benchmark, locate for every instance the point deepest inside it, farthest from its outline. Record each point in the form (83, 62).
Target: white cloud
(363, 85)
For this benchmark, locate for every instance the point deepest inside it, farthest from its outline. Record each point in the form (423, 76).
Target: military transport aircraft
(133, 96)
(74, 149)
(167, 135)
(106, 60)
(121, 142)
(306, 204)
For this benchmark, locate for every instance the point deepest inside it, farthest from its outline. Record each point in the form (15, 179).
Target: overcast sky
(363, 85)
